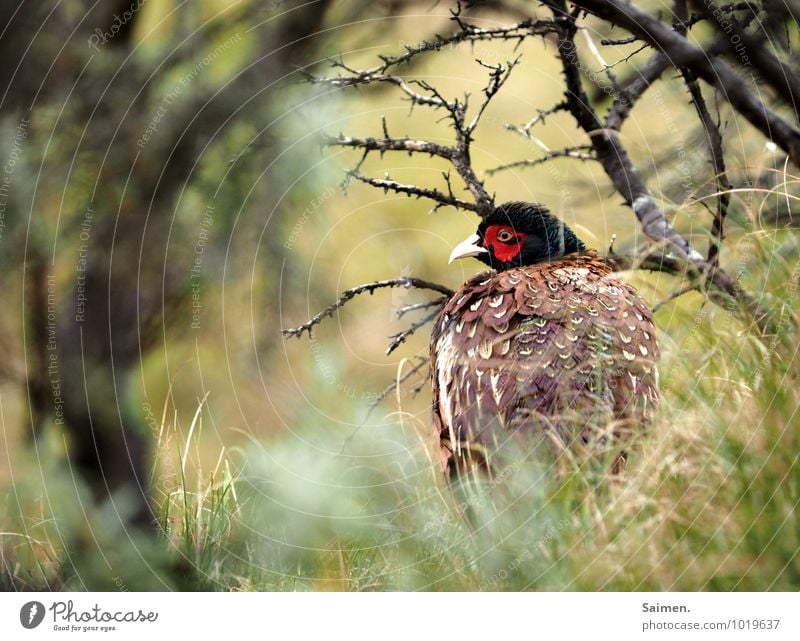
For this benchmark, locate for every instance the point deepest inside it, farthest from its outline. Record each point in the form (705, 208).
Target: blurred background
(166, 209)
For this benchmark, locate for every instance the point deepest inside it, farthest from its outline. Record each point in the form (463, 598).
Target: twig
(416, 306)
(442, 199)
(383, 145)
(579, 153)
(405, 281)
(497, 78)
(540, 117)
(422, 362)
(691, 287)
(612, 78)
(466, 33)
(400, 338)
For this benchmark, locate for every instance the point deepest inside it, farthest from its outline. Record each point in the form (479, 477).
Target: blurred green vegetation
(267, 473)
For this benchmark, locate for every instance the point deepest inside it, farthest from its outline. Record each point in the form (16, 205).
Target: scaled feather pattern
(560, 346)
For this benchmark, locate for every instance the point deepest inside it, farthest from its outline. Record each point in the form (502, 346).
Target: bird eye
(505, 236)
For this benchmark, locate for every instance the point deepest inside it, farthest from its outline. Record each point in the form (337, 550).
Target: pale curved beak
(467, 248)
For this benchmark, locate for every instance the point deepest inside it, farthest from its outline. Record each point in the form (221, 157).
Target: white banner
(400, 616)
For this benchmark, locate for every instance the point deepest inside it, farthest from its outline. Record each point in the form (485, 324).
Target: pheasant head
(516, 234)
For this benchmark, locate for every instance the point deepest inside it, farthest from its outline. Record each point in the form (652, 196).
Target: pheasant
(547, 342)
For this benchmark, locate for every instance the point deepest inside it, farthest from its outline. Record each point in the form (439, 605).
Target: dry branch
(423, 94)
(714, 138)
(404, 281)
(466, 33)
(401, 337)
(578, 153)
(682, 53)
(610, 152)
(422, 361)
(739, 42)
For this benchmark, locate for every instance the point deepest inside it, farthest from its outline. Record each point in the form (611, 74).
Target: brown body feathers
(558, 347)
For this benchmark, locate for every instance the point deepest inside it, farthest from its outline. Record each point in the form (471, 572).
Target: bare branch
(618, 41)
(578, 152)
(401, 337)
(422, 362)
(608, 148)
(714, 138)
(466, 33)
(363, 78)
(731, 7)
(459, 155)
(416, 306)
(540, 117)
(405, 281)
(633, 88)
(744, 45)
(684, 54)
(688, 23)
(631, 91)
(390, 144)
(497, 78)
(387, 184)
(608, 68)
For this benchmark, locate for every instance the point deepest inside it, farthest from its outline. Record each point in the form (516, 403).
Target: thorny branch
(714, 71)
(778, 74)
(422, 362)
(401, 337)
(441, 199)
(466, 33)
(404, 281)
(540, 117)
(580, 152)
(608, 148)
(633, 88)
(415, 306)
(423, 94)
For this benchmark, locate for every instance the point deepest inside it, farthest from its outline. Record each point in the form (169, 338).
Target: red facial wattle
(504, 250)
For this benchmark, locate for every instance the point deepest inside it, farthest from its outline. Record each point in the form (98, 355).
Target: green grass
(709, 499)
